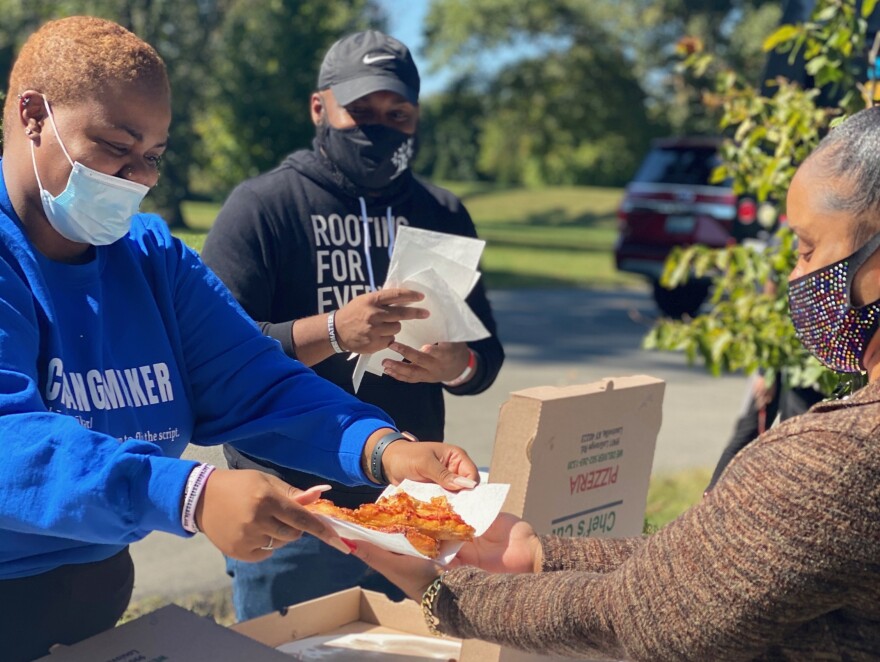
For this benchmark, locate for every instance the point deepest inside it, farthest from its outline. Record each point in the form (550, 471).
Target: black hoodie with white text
(290, 244)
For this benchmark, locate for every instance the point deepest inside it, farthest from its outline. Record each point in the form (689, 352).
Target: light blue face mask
(93, 208)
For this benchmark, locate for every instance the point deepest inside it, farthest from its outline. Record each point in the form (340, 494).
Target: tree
(594, 82)
(180, 32)
(749, 328)
(573, 113)
(183, 34)
(264, 68)
(450, 123)
(240, 76)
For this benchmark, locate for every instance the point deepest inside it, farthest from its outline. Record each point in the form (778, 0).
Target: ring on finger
(270, 546)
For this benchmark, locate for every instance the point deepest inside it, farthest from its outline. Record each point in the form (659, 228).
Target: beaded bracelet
(428, 599)
(198, 477)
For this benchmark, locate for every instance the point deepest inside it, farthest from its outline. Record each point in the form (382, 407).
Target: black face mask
(371, 156)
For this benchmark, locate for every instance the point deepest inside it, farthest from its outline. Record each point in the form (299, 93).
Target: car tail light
(622, 213)
(747, 211)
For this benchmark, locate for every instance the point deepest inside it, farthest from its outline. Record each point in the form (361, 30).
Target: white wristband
(195, 484)
(331, 331)
(466, 373)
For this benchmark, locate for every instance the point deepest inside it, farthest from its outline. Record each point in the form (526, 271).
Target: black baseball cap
(366, 62)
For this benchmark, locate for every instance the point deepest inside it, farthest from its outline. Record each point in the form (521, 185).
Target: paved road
(551, 337)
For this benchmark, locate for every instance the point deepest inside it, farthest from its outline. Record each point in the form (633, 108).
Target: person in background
(305, 249)
(118, 347)
(762, 406)
(780, 559)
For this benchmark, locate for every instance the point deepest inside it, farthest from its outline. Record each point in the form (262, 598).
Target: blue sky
(405, 22)
(405, 19)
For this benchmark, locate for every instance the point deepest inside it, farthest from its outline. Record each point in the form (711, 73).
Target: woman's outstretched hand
(508, 545)
(430, 462)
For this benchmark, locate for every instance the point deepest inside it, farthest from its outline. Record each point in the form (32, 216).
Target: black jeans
(62, 606)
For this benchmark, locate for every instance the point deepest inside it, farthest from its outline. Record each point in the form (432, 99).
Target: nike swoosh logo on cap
(370, 59)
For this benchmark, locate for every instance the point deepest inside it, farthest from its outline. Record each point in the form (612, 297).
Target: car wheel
(682, 300)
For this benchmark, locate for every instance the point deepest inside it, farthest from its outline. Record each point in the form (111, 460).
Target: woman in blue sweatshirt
(118, 348)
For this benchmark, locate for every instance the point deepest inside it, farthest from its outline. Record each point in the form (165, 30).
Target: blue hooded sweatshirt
(109, 369)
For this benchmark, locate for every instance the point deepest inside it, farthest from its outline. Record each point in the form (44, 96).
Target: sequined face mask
(826, 322)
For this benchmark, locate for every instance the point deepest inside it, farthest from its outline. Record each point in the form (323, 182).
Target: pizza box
(168, 634)
(345, 626)
(351, 625)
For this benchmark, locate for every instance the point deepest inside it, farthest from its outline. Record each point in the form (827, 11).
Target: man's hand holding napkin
(443, 268)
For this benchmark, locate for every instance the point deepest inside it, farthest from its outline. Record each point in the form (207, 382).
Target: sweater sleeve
(787, 536)
(247, 393)
(587, 554)
(58, 478)
(243, 252)
(489, 351)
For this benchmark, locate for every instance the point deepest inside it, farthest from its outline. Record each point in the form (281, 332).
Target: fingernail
(341, 546)
(319, 489)
(463, 481)
(394, 346)
(352, 545)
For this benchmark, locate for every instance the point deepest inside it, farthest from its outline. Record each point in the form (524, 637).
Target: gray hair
(851, 153)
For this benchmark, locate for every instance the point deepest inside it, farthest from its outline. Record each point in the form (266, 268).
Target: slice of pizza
(425, 545)
(434, 518)
(424, 524)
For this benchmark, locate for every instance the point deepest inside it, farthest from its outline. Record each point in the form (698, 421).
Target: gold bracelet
(428, 598)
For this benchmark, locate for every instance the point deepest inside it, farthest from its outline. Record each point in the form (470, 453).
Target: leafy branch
(748, 327)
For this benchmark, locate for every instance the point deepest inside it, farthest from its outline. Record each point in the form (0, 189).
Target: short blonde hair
(71, 59)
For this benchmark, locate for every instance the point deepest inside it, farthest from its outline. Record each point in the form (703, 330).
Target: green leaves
(784, 34)
(749, 327)
(573, 91)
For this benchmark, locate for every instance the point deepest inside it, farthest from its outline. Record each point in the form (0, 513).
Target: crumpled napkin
(443, 267)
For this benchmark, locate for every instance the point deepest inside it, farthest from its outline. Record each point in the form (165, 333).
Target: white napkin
(443, 267)
(367, 646)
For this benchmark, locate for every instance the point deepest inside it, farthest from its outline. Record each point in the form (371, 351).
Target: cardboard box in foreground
(173, 633)
(165, 635)
(353, 611)
(578, 460)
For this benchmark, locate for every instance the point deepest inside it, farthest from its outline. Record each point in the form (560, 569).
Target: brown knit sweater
(781, 561)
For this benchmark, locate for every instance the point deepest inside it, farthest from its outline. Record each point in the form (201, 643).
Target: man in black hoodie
(305, 247)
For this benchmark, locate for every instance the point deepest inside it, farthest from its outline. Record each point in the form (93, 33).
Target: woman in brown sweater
(781, 560)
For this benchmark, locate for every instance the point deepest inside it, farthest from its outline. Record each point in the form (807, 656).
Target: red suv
(672, 202)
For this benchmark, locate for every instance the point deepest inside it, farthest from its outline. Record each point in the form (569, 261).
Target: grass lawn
(550, 237)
